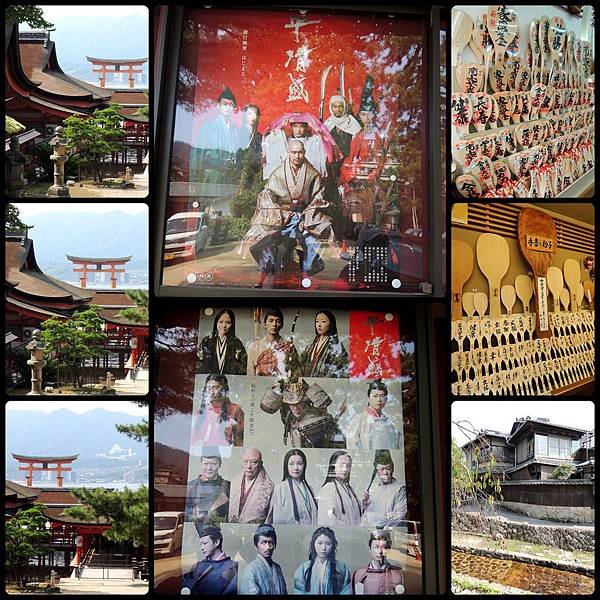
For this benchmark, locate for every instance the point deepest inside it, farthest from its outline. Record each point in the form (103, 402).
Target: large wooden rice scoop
(537, 241)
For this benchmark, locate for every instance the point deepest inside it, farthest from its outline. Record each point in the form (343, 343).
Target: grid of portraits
(297, 467)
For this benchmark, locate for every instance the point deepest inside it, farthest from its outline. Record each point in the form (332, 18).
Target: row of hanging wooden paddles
(494, 39)
(493, 259)
(508, 333)
(501, 353)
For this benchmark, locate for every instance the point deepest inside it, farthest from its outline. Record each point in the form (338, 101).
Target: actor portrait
(384, 502)
(342, 125)
(216, 144)
(250, 137)
(338, 504)
(208, 494)
(251, 490)
(216, 574)
(219, 421)
(306, 422)
(373, 428)
(271, 355)
(293, 501)
(290, 218)
(221, 351)
(263, 575)
(322, 574)
(326, 355)
(379, 577)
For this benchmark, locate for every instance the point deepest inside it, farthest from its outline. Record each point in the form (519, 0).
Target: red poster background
(366, 329)
(212, 55)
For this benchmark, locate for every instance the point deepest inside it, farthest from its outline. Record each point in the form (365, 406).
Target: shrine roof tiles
(40, 65)
(111, 298)
(35, 309)
(21, 492)
(130, 96)
(56, 515)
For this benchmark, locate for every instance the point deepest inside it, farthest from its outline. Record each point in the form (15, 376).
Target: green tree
(562, 471)
(25, 537)
(27, 13)
(75, 341)
(139, 312)
(13, 220)
(96, 137)
(126, 511)
(136, 431)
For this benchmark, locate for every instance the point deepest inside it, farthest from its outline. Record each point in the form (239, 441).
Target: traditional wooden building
(40, 95)
(32, 297)
(530, 451)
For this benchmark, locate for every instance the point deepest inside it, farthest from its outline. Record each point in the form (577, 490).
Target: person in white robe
(385, 499)
(338, 502)
(293, 501)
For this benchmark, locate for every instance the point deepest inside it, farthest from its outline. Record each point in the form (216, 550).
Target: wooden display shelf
(582, 188)
(574, 388)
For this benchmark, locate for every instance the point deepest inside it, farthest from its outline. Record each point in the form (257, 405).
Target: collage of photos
(265, 268)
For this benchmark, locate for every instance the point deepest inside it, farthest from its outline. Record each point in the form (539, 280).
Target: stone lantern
(15, 163)
(59, 158)
(36, 362)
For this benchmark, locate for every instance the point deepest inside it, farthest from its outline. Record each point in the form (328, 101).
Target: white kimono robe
(373, 432)
(330, 506)
(387, 506)
(282, 507)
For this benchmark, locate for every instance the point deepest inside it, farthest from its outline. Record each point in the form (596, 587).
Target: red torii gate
(118, 65)
(29, 463)
(97, 266)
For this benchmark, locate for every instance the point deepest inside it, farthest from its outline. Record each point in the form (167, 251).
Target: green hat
(367, 104)
(383, 457)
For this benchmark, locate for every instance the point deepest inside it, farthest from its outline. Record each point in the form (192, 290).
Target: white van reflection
(187, 234)
(168, 532)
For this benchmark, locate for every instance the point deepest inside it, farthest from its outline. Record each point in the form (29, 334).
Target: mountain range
(112, 37)
(108, 235)
(63, 432)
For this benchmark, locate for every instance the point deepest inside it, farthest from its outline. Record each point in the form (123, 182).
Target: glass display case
(297, 151)
(302, 421)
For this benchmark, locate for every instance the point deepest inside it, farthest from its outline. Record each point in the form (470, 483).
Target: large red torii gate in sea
(118, 66)
(29, 464)
(96, 265)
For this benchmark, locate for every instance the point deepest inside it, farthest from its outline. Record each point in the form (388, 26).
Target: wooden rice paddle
(537, 241)
(555, 285)
(524, 290)
(493, 259)
(462, 29)
(579, 295)
(508, 296)
(564, 298)
(588, 288)
(572, 273)
(462, 267)
(480, 301)
(468, 302)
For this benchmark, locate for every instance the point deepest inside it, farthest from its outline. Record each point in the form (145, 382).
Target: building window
(553, 445)
(541, 445)
(565, 448)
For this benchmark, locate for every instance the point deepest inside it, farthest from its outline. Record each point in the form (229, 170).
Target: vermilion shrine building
(40, 95)
(32, 296)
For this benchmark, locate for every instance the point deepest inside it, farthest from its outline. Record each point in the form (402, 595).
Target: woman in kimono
(338, 503)
(326, 355)
(322, 574)
(221, 351)
(219, 421)
(293, 501)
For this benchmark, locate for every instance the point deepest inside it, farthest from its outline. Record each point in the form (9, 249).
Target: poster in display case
(294, 447)
(299, 153)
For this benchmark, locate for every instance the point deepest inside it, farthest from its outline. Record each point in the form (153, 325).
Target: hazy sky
(490, 414)
(26, 210)
(54, 13)
(78, 406)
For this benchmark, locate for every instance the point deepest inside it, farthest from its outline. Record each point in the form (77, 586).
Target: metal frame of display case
(167, 61)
